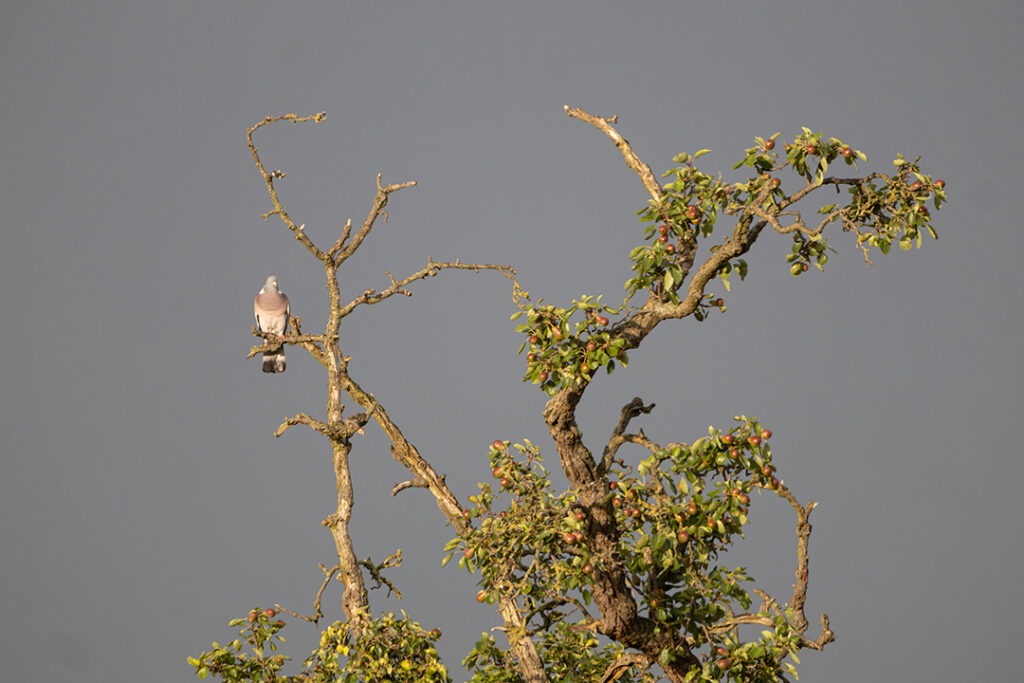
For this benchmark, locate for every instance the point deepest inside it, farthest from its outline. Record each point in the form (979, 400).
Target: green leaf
(701, 153)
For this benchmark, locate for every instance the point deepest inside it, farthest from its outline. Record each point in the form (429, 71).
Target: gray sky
(143, 498)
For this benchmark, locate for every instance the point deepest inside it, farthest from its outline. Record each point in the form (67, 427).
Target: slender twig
(317, 612)
(432, 268)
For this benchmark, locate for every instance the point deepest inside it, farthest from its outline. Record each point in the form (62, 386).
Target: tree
(619, 576)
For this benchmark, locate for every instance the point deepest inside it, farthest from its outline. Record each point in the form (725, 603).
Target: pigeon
(272, 310)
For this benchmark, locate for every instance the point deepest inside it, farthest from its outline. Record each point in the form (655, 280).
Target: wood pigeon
(272, 310)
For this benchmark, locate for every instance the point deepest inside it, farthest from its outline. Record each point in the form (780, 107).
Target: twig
(629, 411)
(371, 296)
(317, 612)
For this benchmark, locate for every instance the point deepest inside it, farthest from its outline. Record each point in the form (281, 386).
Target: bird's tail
(274, 361)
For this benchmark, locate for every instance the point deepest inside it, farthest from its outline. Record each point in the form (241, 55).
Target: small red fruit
(766, 434)
(617, 502)
(683, 536)
(577, 536)
(847, 152)
(531, 356)
(719, 302)
(743, 498)
(776, 183)
(769, 145)
(811, 149)
(534, 339)
(691, 508)
(723, 664)
(601, 320)
(775, 482)
(467, 553)
(915, 186)
(543, 376)
(466, 514)
(569, 538)
(722, 651)
(481, 596)
(662, 229)
(435, 633)
(252, 616)
(663, 239)
(591, 346)
(613, 485)
(692, 211)
(579, 515)
(670, 248)
(588, 568)
(727, 439)
(940, 183)
(923, 210)
(505, 482)
(279, 623)
(804, 267)
(734, 452)
(498, 445)
(754, 440)
(270, 612)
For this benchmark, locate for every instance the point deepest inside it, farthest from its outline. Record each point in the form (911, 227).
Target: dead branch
(634, 162)
(317, 612)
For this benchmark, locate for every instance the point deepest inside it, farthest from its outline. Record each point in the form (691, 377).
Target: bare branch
(275, 341)
(317, 612)
(380, 200)
(376, 571)
(647, 176)
(620, 666)
(303, 419)
(268, 178)
(631, 410)
(411, 483)
(371, 296)
(345, 232)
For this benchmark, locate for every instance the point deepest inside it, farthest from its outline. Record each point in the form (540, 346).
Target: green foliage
(677, 513)
(387, 649)
(566, 349)
(569, 654)
(261, 632)
(882, 210)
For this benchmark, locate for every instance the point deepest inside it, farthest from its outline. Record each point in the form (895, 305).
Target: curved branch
(371, 296)
(634, 162)
(629, 411)
(268, 178)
